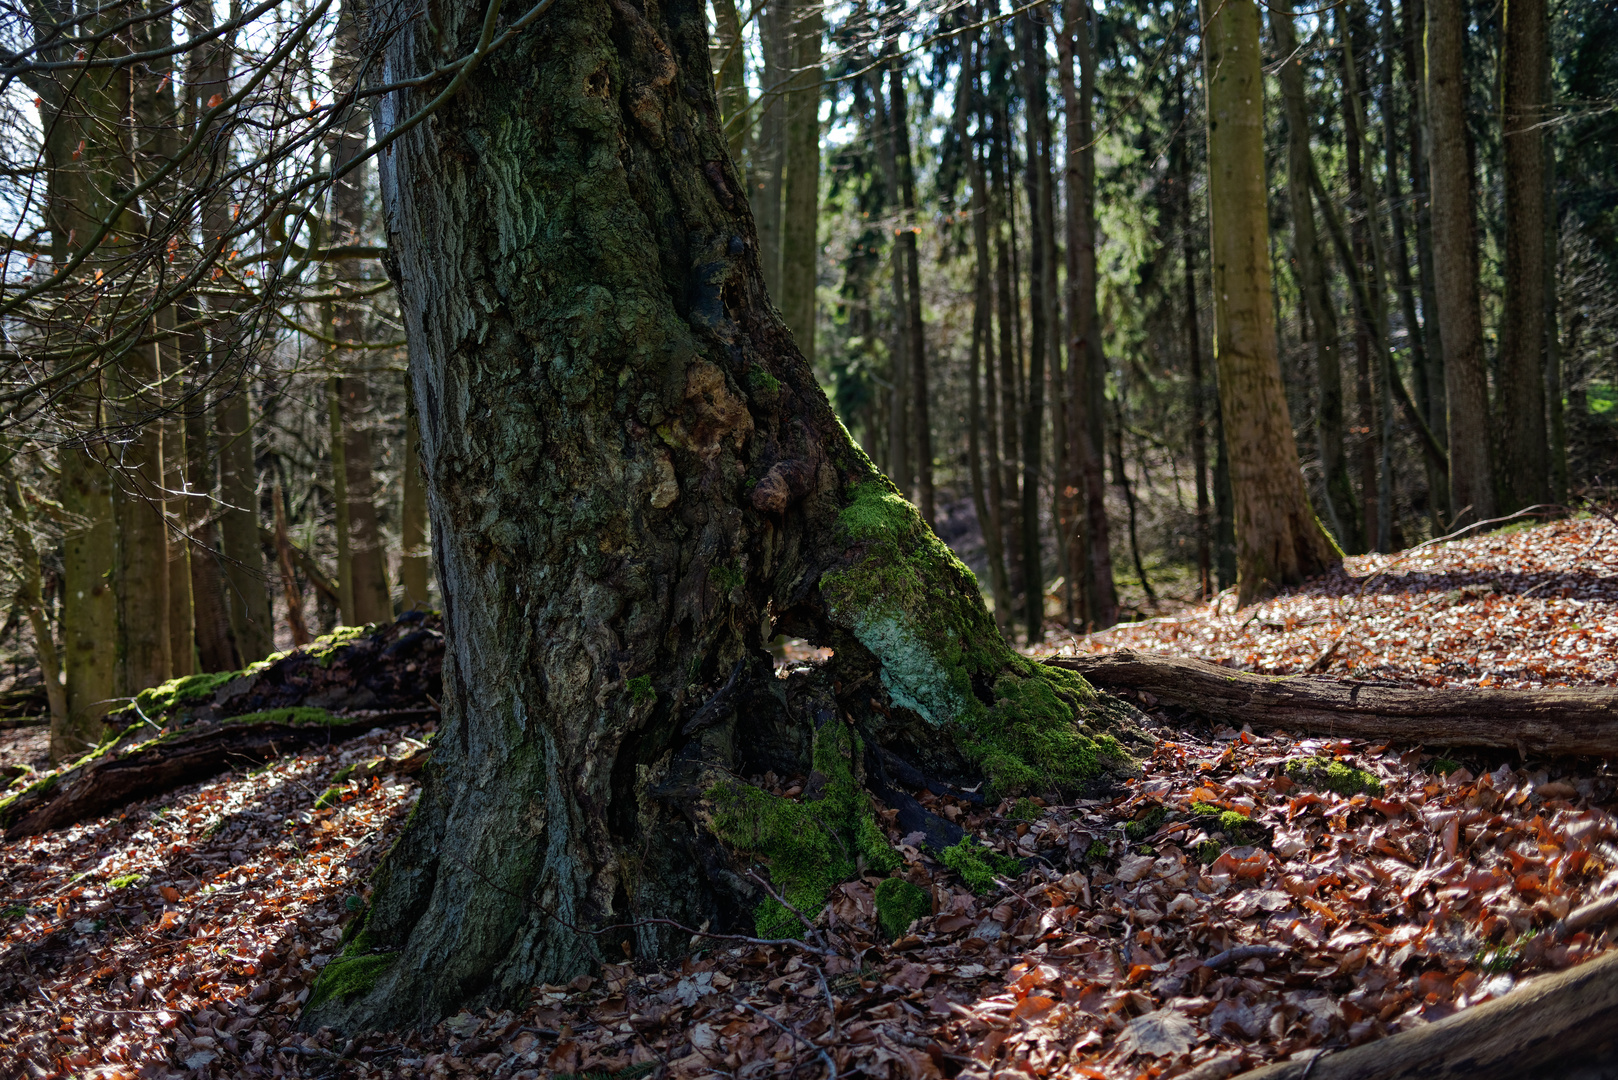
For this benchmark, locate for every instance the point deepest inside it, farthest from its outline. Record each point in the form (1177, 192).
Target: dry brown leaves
(1117, 953)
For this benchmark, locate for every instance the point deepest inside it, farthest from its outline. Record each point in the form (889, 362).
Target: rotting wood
(164, 764)
(1553, 1018)
(1547, 721)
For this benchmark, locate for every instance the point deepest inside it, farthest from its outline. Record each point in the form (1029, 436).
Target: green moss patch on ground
(1329, 774)
(900, 903)
(811, 846)
(352, 972)
(979, 866)
(917, 609)
(1237, 826)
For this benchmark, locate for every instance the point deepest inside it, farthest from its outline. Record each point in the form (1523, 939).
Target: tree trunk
(30, 597)
(289, 580)
(250, 624)
(1031, 41)
(1524, 467)
(1279, 541)
(910, 317)
(414, 561)
(1085, 363)
(801, 190)
(635, 482)
(1436, 409)
(730, 78)
(767, 164)
(1342, 511)
(1002, 208)
(1181, 158)
(899, 393)
(143, 543)
(1555, 419)
(1455, 268)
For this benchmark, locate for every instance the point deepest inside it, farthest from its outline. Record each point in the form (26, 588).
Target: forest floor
(1221, 912)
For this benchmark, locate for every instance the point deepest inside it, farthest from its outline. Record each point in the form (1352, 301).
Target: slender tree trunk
(768, 160)
(182, 610)
(1005, 318)
(915, 338)
(289, 580)
(1342, 511)
(1279, 541)
(1455, 268)
(210, 611)
(1555, 420)
(1180, 158)
(1437, 412)
(900, 395)
(985, 498)
(1031, 38)
(801, 188)
(730, 78)
(414, 562)
(619, 537)
(30, 596)
(143, 547)
(339, 495)
(1085, 362)
(250, 624)
(1524, 466)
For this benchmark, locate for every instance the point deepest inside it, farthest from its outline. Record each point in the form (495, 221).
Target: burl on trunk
(635, 483)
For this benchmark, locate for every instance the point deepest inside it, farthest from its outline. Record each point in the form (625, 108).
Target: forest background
(989, 234)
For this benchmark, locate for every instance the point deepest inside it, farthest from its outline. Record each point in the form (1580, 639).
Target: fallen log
(1553, 720)
(334, 688)
(1552, 1019)
(168, 761)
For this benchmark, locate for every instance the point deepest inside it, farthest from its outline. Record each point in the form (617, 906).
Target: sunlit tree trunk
(1180, 162)
(914, 333)
(1278, 540)
(635, 482)
(1455, 267)
(767, 162)
(1524, 466)
(250, 625)
(900, 395)
(800, 193)
(414, 562)
(30, 597)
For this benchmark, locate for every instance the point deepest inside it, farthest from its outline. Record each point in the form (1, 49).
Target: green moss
(727, 577)
(1097, 851)
(1146, 824)
(1025, 810)
(640, 690)
(8, 805)
(183, 691)
(1332, 775)
(900, 903)
(811, 846)
(979, 865)
(1443, 766)
(762, 381)
(916, 607)
(1239, 827)
(1497, 959)
(1208, 851)
(331, 796)
(124, 881)
(353, 971)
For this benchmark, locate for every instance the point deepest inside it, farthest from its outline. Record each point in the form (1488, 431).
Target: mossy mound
(350, 973)
(1145, 824)
(1240, 828)
(1329, 774)
(917, 609)
(811, 846)
(900, 903)
(979, 866)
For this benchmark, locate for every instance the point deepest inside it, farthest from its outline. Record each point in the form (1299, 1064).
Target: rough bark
(1001, 210)
(1524, 466)
(1180, 156)
(414, 562)
(89, 605)
(730, 78)
(1279, 541)
(1548, 721)
(1455, 268)
(767, 163)
(634, 483)
(1342, 511)
(1031, 42)
(250, 626)
(1551, 1019)
(190, 729)
(900, 397)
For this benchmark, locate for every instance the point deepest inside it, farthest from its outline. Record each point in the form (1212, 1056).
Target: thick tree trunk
(1455, 268)
(144, 658)
(89, 604)
(1524, 466)
(1279, 541)
(635, 482)
(1342, 511)
(414, 561)
(250, 624)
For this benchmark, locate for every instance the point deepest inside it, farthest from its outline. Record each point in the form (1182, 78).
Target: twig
(831, 1066)
(779, 899)
(1244, 952)
(830, 1002)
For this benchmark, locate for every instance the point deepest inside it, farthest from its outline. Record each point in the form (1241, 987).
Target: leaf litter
(1210, 916)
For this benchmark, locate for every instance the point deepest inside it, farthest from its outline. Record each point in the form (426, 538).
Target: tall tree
(1455, 266)
(1342, 509)
(621, 531)
(914, 333)
(730, 78)
(767, 160)
(414, 562)
(1031, 41)
(1279, 541)
(1524, 464)
(800, 191)
(1091, 561)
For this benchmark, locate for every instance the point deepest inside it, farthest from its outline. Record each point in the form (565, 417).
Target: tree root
(1556, 721)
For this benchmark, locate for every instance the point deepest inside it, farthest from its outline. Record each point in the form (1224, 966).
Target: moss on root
(900, 903)
(1237, 826)
(1329, 774)
(915, 607)
(350, 973)
(979, 866)
(811, 846)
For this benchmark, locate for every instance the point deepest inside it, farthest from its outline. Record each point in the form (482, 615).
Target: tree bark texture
(1279, 541)
(800, 192)
(1342, 511)
(250, 625)
(635, 482)
(414, 561)
(89, 604)
(1455, 268)
(1549, 721)
(1031, 42)
(1524, 468)
(914, 332)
